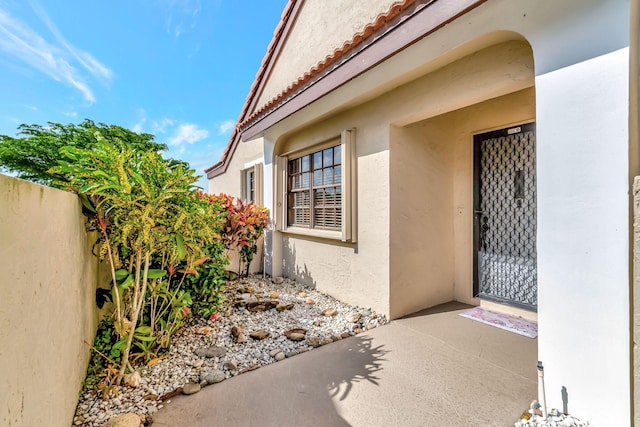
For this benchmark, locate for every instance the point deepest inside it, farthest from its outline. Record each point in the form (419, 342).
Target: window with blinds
(315, 190)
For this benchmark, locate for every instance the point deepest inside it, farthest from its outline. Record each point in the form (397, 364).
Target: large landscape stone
(124, 420)
(213, 351)
(260, 334)
(214, 376)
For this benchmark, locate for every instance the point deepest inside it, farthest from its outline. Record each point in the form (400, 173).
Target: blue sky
(179, 69)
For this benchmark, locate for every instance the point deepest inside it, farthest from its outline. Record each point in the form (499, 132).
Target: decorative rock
(313, 341)
(205, 330)
(231, 365)
(282, 307)
(358, 331)
(353, 317)
(296, 336)
(260, 334)
(261, 305)
(301, 331)
(251, 290)
(303, 350)
(302, 294)
(326, 341)
(291, 353)
(213, 351)
(132, 379)
(370, 327)
(273, 352)
(237, 330)
(280, 356)
(318, 322)
(191, 388)
(198, 363)
(214, 376)
(242, 338)
(124, 420)
(278, 280)
(310, 301)
(329, 312)
(273, 295)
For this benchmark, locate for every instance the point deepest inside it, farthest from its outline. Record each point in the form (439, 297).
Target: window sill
(321, 234)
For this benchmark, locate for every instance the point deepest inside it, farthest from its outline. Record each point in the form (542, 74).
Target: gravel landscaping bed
(263, 322)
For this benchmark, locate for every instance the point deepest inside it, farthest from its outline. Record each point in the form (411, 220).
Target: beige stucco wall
(320, 27)
(386, 269)
(353, 272)
(432, 201)
(230, 182)
(47, 304)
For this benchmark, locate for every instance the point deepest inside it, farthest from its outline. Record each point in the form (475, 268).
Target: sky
(179, 69)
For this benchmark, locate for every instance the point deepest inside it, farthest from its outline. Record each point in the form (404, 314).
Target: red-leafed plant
(244, 224)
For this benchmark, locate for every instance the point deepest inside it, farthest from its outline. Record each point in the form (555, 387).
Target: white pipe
(542, 398)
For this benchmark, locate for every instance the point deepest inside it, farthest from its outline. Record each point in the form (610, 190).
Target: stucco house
(421, 151)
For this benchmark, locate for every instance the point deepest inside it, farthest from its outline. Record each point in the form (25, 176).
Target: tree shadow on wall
(290, 266)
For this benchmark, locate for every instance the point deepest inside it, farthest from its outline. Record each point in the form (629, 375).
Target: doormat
(514, 324)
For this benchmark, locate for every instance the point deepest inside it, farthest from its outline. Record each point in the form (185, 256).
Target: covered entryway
(504, 216)
(435, 250)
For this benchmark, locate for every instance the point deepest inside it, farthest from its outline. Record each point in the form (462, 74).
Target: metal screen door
(505, 267)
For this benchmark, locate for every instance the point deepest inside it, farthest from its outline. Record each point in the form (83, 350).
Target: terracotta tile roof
(358, 38)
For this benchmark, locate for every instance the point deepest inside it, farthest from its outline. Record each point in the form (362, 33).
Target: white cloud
(225, 127)
(71, 114)
(188, 133)
(181, 16)
(160, 126)
(58, 60)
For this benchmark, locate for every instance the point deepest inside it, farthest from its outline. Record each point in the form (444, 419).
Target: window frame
(346, 233)
(256, 171)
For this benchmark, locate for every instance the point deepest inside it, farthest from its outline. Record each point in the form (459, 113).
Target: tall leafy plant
(151, 223)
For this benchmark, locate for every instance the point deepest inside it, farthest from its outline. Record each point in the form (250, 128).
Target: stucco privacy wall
(47, 304)
(431, 175)
(583, 239)
(360, 273)
(321, 26)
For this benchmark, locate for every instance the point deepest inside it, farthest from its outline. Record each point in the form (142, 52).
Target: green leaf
(180, 247)
(144, 338)
(156, 273)
(121, 274)
(120, 344)
(144, 329)
(86, 202)
(128, 282)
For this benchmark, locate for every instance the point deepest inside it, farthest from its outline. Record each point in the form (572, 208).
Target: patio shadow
(298, 391)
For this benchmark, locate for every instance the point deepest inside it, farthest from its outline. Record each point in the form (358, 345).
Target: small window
(251, 184)
(315, 190)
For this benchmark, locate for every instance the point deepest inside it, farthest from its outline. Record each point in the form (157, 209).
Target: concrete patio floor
(433, 368)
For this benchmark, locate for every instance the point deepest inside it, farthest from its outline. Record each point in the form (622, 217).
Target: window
(316, 187)
(315, 190)
(251, 181)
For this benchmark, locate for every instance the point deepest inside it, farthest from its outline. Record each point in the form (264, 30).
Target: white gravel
(183, 366)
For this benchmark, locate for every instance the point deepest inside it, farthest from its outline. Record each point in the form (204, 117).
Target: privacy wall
(47, 303)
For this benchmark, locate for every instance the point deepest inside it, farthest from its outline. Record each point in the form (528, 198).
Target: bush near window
(243, 225)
